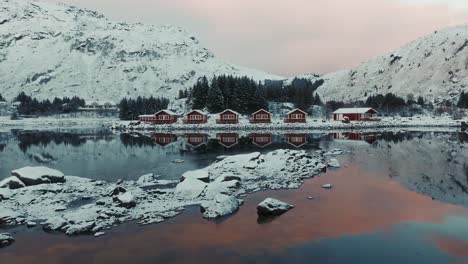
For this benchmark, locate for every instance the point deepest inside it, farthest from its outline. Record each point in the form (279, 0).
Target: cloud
(291, 37)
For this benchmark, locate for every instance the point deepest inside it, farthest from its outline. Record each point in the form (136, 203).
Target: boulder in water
(6, 239)
(272, 206)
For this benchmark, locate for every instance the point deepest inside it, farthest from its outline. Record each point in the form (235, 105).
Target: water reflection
(261, 140)
(296, 140)
(228, 140)
(164, 139)
(196, 140)
(367, 137)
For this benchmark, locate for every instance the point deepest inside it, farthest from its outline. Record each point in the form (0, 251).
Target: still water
(398, 198)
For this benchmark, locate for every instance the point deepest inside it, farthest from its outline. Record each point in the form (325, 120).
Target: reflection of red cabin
(228, 117)
(261, 140)
(367, 137)
(161, 117)
(196, 140)
(356, 114)
(195, 117)
(261, 116)
(228, 139)
(164, 139)
(297, 140)
(296, 116)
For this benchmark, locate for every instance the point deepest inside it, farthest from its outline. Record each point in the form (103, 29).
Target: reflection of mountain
(434, 164)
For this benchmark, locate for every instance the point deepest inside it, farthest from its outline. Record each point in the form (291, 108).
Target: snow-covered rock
(85, 206)
(6, 239)
(334, 152)
(220, 206)
(8, 216)
(147, 179)
(38, 175)
(272, 206)
(126, 200)
(327, 186)
(334, 163)
(190, 188)
(50, 50)
(12, 183)
(201, 175)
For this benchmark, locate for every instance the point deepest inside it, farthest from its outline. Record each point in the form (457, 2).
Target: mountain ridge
(49, 50)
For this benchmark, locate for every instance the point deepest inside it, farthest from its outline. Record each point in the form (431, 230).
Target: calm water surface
(398, 198)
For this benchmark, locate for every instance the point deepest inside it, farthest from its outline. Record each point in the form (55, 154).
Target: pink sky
(292, 37)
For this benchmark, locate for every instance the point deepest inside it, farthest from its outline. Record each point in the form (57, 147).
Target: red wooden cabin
(195, 117)
(296, 140)
(356, 114)
(261, 140)
(164, 139)
(296, 116)
(261, 116)
(228, 117)
(228, 139)
(161, 117)
(196, 140)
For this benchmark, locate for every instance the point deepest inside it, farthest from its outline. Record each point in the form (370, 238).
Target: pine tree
(317, 100)
(215, 99)
(463, 101)
(420, 101)
(1, 98)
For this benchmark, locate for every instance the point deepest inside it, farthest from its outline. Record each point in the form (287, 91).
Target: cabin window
(164, 117)
(297, 116)
(195, 117)
(229, 116)
(196, 139)
(262, 116)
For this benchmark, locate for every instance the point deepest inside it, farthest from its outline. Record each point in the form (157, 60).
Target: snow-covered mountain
(49, 50)
(435, 67)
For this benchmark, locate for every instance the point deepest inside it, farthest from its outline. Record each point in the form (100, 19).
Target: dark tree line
(244, 95)
(388, 102)
(463, 101)
(130, 109)
(301, 92)
(240, 94)
(32, 106)
(2, 99)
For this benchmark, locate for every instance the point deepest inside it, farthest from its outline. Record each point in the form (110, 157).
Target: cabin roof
(198, 112)
(146, 116)
(297, 109)
(166, 111)
(361, 110)
(261, 111)
(229, 110)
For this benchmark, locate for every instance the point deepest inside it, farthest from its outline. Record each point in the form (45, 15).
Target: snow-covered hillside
(435, 67)
(49, 50)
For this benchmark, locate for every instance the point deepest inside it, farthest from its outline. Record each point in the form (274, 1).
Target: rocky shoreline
(277, 125)
(75, 205)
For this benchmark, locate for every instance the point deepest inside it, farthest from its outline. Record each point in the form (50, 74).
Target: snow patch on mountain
(49, 50)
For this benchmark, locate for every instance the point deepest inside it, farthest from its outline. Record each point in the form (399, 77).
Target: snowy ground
(312, 124)
(78, 205)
